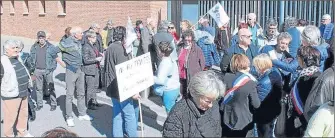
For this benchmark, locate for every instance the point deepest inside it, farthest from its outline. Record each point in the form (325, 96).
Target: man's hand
(136, 97)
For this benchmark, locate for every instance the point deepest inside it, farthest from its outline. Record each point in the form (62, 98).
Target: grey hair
(10, 43)
(271, 22)
(95, 25)
(311, 34)
(284, 35)
(252, 15)
(290, 22)
(110, 22)
(20, 44)
(91, 34)
(206, 83)
(326, 16)
(75, 30)
(164, 25)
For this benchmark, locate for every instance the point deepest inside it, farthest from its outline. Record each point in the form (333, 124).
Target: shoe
(85, 118)
(91, 105)
(95, 102)
(70, 122)
(39, 108)
(53, 107)
(28, 135)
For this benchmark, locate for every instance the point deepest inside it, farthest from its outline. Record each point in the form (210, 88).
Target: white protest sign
(219, 15)
(133, 76)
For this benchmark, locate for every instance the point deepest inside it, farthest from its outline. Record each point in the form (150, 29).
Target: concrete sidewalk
(151, 107)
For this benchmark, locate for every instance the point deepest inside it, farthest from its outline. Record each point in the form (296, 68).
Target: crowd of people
(213, 82)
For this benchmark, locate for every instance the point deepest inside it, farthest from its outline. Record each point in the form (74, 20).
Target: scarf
(309, 71)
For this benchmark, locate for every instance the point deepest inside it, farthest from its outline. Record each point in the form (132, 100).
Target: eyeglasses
(249, 19)
(170, 27)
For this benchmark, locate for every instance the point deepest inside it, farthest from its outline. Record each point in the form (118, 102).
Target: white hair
(10, 43)
(75, 30)
(326, 16)
(95, 25)
(206, 83)
(252, 15)
(311, 34)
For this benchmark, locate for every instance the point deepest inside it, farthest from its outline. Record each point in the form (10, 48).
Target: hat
(41, 34)
(138, 22)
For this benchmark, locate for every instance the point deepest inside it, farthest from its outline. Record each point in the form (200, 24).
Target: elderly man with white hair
(15, 82)
(254, 27)
(326, 28)
(71, 49)
(311, 37)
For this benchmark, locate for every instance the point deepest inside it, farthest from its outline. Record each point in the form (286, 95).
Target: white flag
(131, 36)
(219, 15)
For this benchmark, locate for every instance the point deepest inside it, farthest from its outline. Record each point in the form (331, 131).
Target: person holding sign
(167, 76)
(241, 95)
(123, 112)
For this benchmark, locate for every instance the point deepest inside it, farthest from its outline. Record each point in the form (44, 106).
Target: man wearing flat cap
(43, 63)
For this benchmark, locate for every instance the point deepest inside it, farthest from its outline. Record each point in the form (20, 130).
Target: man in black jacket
(91, 67)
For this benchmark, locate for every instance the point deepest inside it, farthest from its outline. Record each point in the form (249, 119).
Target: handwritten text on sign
(134, 76)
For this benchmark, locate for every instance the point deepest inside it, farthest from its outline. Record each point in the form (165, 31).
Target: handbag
(158, 88)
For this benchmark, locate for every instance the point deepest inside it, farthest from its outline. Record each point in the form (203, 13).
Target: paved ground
(153, 112)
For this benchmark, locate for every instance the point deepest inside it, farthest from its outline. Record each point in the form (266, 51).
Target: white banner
(133, 76)
(219, 15)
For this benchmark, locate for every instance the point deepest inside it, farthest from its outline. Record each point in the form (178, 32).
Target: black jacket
(115, 54)
(98, 43)
(89, 61)
(322, 91)
(185, 120)
(237, 113)
(156, 39)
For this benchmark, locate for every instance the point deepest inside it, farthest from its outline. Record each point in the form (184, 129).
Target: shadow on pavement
(61, 103)
(60, 77)
(150, 118)
(102, 119)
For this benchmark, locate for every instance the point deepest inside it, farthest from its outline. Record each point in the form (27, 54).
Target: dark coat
(270, 88)
(146, 41)
(185, 120)
(115, 54)
(51, 56)
(195, 62)
(156, 39)
(98, 43)
(237, 113)
(322, 91)
(90, 63)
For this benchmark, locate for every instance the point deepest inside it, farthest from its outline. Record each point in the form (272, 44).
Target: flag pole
(199, 19)
(139, 105)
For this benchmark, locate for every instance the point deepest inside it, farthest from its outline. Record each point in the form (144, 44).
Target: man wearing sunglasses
(270, 35)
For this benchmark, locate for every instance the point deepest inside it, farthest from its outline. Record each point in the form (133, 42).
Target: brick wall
(78, 13)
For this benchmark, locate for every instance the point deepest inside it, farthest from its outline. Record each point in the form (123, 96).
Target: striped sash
(297, 103)
(239, 82)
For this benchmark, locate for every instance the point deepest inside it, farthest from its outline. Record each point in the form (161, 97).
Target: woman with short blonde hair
(269, 90)
(262, 63)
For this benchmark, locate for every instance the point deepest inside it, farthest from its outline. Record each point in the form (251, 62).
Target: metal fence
(309, 10)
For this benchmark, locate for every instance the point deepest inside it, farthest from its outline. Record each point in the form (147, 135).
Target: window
(11, 8)
(190, 11)
(62, 7)
(42, 7)
(25, 7)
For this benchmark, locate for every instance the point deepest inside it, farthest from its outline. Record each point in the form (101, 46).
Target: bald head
(244, 36)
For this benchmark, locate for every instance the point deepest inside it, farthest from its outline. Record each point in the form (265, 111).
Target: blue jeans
(123, 112)
(170, 98)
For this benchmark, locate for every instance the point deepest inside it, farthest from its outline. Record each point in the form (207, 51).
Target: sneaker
(70, 122)
(85, 117)
(28, 135)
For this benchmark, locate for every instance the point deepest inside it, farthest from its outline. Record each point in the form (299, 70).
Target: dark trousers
(227, 132)
(92, 85)
(183, 87)
(41, 78)
(266, 130)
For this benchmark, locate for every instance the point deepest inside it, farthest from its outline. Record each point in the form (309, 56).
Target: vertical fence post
(281, 15)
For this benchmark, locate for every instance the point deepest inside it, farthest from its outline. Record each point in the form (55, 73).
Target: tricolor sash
(297, 103)
(239, 82)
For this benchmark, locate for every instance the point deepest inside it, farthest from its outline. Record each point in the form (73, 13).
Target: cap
(41, 34)
(138, 22)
